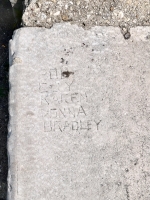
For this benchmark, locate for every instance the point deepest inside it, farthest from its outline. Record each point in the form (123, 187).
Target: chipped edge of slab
(12, 128)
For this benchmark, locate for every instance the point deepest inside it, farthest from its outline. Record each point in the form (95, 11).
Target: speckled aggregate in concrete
(87, 13)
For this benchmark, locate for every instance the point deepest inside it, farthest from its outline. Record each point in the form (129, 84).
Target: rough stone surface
(79, 114)
(86, 13)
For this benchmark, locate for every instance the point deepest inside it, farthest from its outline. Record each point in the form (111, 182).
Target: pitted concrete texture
(86, 13)
(79, 114)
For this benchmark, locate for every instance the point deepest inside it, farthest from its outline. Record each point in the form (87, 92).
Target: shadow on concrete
(18, 10)
(10, 19)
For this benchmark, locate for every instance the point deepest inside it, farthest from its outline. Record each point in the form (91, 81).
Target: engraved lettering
(66, 126)
(61, 106)
(75, 97)
(83, 97)
(75, 125)
(69, 85)
(85, 125)
(81, 111)
(71, 112)
(45, 112)
(64, 98)
(43, 87)
(89, 125)
(47, 126)
(44, 99)
(62, 112)
(57, 125)
(53, 74)
(53, 113)
(97, 124)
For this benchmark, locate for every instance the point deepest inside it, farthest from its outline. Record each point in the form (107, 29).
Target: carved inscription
(64, 106)
(71, 125)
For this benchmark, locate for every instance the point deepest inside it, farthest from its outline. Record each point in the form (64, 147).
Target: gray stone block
(79, 114)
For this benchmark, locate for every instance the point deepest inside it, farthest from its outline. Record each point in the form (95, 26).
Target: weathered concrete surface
(79, 114)
(88, 13)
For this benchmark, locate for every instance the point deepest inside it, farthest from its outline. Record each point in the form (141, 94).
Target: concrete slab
(86, 13)
(79, 114)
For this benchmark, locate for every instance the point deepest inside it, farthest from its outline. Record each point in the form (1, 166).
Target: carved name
(64, 106)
